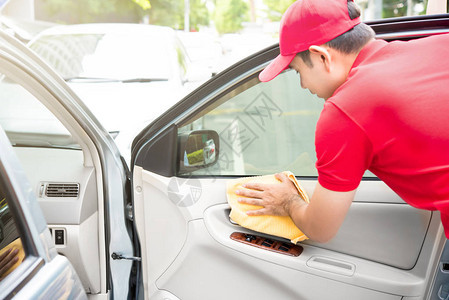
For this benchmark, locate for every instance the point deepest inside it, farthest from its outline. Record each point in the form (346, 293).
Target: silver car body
(43, 274)
(88, 248)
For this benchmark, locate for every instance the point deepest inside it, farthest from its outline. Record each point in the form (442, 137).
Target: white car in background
(127, 74)
(203, 49)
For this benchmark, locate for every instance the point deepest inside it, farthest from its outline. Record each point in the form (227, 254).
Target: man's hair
(351, 41)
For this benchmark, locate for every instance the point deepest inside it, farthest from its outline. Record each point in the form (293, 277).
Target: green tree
(161, 12)
(199, 14)
(171, 13)
(167, 13)
(394, 8)
(88, 11)
(145, 4)
(400, 8)
(229, 15)
(276, 8)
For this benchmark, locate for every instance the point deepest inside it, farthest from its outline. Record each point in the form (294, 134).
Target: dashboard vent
(62, 190)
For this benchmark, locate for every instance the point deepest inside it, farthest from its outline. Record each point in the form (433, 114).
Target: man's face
(316, 78)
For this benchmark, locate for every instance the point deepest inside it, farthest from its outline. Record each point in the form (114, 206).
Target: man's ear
(323, 54)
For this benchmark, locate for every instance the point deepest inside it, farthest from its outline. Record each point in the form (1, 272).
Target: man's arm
(319, 220)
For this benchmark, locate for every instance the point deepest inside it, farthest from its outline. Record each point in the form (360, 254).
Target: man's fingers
(10, 255)
(8, 265)
(281, 176)
(3, 255)
(251, 201)
(285, 179)
(8, 261)
(249, 193)
(254, 186)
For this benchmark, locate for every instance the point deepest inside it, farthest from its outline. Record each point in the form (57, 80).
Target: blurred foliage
(230, 14)
(195, 157)
(145, 4)
(171, 13)
(399, 8)
(199, 14)
(88, 11)
(160, 12)
(394, 8)
(167, 13)
(276, 8)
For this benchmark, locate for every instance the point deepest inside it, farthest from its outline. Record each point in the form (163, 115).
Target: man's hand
(275, 199)
(7, 260)
(319, 220)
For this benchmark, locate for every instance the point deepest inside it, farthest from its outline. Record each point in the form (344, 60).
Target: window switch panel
(59, 237)
(267, 244)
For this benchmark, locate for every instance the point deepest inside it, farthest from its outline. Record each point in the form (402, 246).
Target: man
(386, 110)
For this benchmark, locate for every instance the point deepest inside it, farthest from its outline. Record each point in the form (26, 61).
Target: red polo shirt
(391, 116)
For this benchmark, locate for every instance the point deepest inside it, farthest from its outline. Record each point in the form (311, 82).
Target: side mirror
(197, 149)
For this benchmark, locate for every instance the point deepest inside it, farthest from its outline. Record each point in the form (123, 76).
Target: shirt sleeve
(343, 149)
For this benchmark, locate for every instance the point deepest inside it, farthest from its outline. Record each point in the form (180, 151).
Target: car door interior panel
(61, 182)
(369, 225)
(379, 247)
(247, 276)
(66, 190)
(385, 249)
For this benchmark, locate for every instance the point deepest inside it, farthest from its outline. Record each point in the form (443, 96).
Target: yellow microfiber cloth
(16, 244)
(281, 226)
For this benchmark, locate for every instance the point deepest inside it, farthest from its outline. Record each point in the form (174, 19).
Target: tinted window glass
(264, 128)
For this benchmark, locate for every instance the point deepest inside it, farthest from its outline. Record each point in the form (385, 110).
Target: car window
(264, 128)
(11, 250)
(27, 122)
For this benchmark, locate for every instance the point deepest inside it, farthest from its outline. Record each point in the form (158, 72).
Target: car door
(384, 250)
(37, 271)
(74, 171)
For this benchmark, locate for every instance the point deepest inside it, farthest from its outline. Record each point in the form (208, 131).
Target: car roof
(108, 28)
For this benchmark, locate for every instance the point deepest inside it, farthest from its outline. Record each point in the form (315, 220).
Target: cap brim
(279, 64)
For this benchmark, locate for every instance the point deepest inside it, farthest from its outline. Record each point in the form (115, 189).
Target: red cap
(307, 23)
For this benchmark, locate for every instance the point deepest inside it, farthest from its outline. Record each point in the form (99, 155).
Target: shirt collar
(368, 50)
